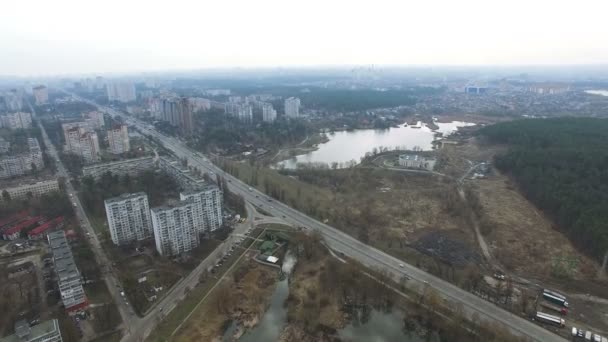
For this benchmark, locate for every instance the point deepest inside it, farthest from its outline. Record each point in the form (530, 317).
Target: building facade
(128, 218)
(21, 191)
(13, 100)
(68, 276)
(131, 167)
(20, 164)
(16, 120)
(416, 162)
(178, 112)
(175, 228)
(118, 138)
(208, 206)
(121, 91)
(41, 95)
(292, 107)
(269, 114)
(83, 143)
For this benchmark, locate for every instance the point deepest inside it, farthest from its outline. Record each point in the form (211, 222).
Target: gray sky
(79, 36)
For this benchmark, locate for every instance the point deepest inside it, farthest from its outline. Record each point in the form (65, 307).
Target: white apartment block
(245, 113)
(118, 138)
(416, 161)
(16, 165)
(292, 107)
(20, 191)
(41, 95)
(68, 276)
(175, 228)
(13, 101)
(208, 206)
(199, 103)
(131, 167)
(269, 114)
(16, 120)
(121, 91)
(83, 143)
(128, 217)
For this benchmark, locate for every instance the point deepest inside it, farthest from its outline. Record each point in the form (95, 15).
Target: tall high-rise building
(292, 107)
(269, 114)
(208, 207)
(41, 95)
(121, 91)
(245, 113)
(13, 100)
(118, 138)
(178, 112)
(16, 120)
(83, 143)
(128, 217)
(176, 228)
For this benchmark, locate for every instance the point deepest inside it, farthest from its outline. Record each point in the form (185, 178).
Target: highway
(341, 242)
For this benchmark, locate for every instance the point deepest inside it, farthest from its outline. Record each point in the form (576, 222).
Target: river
(347, 146)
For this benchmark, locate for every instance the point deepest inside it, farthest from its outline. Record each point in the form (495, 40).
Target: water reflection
(347, 146)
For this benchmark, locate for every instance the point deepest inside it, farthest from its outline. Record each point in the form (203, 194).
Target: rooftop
(34, 332)
(125, 197)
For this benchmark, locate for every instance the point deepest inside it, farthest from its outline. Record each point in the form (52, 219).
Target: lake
(346, 146)
(380, 327)
(597, 92)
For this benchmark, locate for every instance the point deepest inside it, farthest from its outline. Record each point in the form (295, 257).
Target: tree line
(561, 166)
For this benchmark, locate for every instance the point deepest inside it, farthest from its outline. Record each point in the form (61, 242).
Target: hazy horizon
(68, 37)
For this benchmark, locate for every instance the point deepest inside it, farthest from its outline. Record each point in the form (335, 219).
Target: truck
(555, 299)
(549, 319)
(562, 310)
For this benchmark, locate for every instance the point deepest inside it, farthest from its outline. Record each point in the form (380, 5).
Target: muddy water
(378, 327)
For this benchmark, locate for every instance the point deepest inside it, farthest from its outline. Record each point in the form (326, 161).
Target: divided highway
(344, 243)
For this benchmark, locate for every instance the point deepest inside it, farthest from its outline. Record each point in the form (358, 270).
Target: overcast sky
(64, 37)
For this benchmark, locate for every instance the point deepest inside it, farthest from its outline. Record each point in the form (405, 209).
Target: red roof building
(16, 217)
(40, 231)
(13, 232)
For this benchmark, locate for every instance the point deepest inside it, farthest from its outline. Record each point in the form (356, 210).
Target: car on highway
(401, 265)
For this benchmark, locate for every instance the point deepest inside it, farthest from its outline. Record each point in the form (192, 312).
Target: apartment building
(292, 107)
(176, 227)
(13, 100)
(83, 143)
(130, 167)
(41, 95)
(36, 188)
(178, 112)
(180, 174)
(118, 138)
(121, 91)
(17, 165)
(47, 331)
(128, 218)
(68, 276)
(208, 206)
(269, 114)
(16, 120)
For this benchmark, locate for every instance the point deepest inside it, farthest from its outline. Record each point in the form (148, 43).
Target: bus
(555, 299)
(549, 319)
(553, 293)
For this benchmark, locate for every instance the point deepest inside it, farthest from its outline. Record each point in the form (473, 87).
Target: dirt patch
(523, 239)
(452, 251)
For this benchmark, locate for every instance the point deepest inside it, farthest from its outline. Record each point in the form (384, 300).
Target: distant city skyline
(72, 37)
